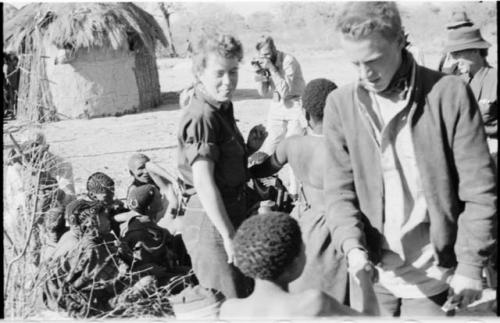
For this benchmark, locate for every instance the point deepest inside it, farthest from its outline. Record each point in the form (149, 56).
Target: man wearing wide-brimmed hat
(459, 19)
(468, 48)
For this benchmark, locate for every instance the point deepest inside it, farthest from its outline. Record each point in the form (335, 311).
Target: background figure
(325, 268)
(11, 74)
(101, 187)
(409, 186)
(212, 162)
(153, 247)
(86, 254)
(469, 50)
(269, 248)
(144, 171)
(35, 174)
(280, 74)
(417, 53)
(459, 19)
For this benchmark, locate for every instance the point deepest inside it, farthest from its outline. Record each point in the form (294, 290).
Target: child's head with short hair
(269, 246)
(144, 199)
(137, 167)
(314, 98)
(101, 187)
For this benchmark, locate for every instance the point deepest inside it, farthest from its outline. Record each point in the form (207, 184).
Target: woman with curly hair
(84, 271)
(212, 164)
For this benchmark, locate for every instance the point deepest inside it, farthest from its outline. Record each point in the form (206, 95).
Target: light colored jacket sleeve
(477, 224)
(343, 216)
(285, 81)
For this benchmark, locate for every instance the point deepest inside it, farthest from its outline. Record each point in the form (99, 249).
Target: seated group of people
(102, 246)
(107, 246)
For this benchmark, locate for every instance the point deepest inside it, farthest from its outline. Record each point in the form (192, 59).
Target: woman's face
(219, 77)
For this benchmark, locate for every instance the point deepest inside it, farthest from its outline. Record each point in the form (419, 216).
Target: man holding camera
(279, 74)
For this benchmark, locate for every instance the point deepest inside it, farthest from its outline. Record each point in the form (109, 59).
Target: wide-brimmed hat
(465, 38)
(459, 19)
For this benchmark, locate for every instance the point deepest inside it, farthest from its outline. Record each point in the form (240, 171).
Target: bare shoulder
(309, 303)
(230, 309)
(317, 303)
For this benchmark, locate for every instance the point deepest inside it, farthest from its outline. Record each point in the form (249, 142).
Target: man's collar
(200, 93)
(401, 81)
(279, 59)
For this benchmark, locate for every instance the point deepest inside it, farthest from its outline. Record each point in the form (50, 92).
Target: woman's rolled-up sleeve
(200, 139)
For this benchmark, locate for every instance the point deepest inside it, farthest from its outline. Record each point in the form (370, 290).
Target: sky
(241, 7)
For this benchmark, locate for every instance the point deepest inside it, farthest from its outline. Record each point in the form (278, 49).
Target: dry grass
(83, 25)
(70, 26)
(25, 243)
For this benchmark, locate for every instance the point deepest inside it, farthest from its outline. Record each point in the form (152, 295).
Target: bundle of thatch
(84, 59)
(8, 11)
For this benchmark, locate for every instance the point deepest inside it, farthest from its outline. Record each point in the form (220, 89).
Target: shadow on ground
(170, 100)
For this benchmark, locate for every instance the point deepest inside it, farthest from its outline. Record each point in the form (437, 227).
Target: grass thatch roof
(8, 11)
(83, 25)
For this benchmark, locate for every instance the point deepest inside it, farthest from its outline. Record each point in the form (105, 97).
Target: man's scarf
(400, 83)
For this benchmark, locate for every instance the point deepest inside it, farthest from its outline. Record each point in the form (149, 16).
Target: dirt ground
(105, 144)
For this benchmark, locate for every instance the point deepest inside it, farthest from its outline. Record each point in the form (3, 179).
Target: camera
(259, 69)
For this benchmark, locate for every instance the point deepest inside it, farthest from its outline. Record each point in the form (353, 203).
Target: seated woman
(154, 248)
(268, 247)
(101, 187)
(85, 271)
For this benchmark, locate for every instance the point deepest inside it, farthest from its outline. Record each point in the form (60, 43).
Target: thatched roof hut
(8, 11)
(84, 59)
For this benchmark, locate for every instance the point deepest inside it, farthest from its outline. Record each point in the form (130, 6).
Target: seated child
(268, 247)
(144, 171)
(100, 187)
(152, 246)
(85, 271)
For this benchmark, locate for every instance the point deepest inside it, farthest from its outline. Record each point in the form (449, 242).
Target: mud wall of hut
(94, 82)
(146, 74)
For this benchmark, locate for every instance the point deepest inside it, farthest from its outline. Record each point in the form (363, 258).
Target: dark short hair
(99, 183)
(265, 40)
(358, 20)
(314, 98)
(266, 244)
(224, 45)
(140, 198)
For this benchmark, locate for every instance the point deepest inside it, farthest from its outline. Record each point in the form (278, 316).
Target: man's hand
(465, 290)
(359, 265)
(266, 63)
(257, 158)
(261, 78)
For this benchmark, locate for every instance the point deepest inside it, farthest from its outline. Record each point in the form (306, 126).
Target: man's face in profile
(375, 57)
(466, 60)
